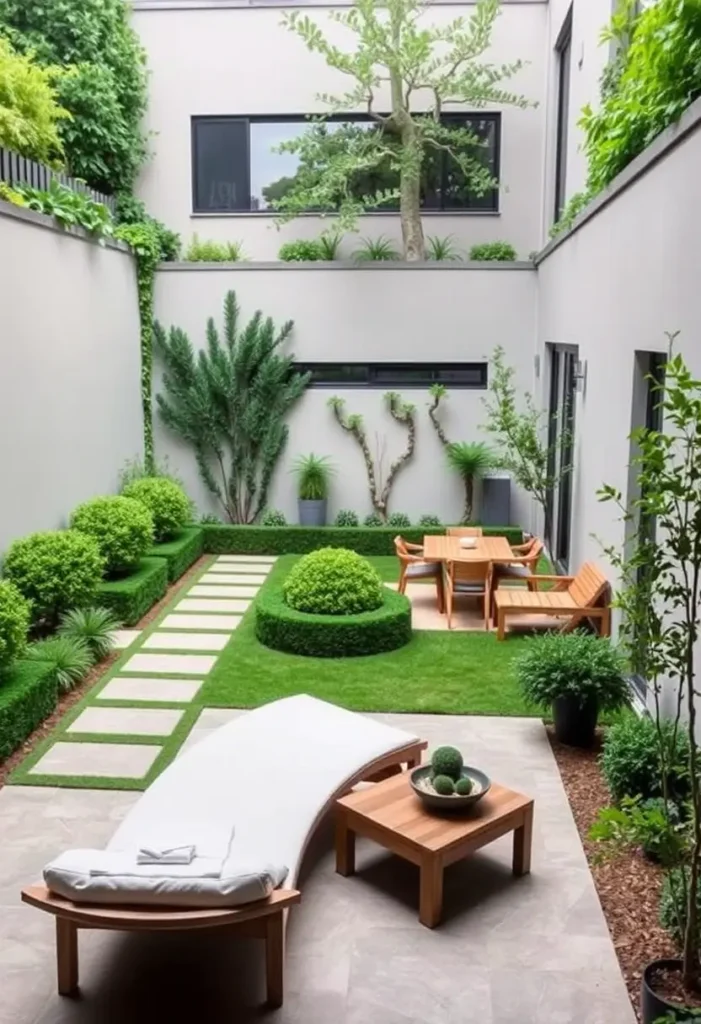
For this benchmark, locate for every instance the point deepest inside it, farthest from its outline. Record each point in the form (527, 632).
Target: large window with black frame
(563, 51)
(237, 166)
(561, 425)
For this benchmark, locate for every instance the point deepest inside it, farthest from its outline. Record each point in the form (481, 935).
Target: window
(564, 53)
(235, 168)
(397, 375)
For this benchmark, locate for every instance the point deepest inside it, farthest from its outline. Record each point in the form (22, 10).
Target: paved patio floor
(510, 951)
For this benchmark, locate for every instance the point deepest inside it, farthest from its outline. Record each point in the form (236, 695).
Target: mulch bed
(67, 700)
(628, 885)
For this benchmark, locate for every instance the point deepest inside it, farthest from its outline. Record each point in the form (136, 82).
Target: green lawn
(447, 673)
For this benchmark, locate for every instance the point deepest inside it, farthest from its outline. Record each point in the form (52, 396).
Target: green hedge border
(332, 636)
(131, 597)
(299, 540)
(181, 552)
(28, 695)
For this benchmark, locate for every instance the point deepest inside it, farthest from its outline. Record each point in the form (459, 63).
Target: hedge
(132, 596)
(180, 552)
(28, 695)
(299, 540)
(332, 636)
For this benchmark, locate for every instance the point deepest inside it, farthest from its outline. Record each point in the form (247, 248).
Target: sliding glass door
(561, 426)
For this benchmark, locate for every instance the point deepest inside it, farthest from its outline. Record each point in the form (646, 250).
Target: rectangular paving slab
(171, 664)
(265, 559)
(186, 641)
(233, 579)
(115, 760)
(201, 622)
(211, 604)
(207, 590)
(158, 688)
(134, 721)
(253, 567)
(123, 638)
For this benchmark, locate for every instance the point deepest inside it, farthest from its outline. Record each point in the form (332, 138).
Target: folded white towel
(113, 865)
(166, 855)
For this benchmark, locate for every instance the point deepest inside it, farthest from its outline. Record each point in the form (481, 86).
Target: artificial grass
(181, 552)
(130, 597)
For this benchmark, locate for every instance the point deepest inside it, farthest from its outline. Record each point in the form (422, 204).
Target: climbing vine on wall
(400, 411)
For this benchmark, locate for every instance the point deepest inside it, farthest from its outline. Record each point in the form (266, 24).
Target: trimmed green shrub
(181, 552)
(372, 520)
(28, 695)
(15, 616)
(122, 527)
(273, 517)
(502, 252)
(69, 658)
(447, 761)
(55, 571)
(463, 787)
(578, 665)
(398, 521)
(94, 626)
(346, 518)
(333, 581)
(301, 251)
(332, 636)
(168, 504)
(429, 520)
(132, 596)
(206, 251)
(673, 911)
(443, 785)
(299, 540)
(630, 761)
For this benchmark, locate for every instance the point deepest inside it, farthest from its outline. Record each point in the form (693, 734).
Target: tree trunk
(410, 198)
(469, 498)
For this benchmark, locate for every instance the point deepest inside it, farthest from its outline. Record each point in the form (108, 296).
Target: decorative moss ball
(447, 761)
(444, 785)
(333, 581)
(464, 786)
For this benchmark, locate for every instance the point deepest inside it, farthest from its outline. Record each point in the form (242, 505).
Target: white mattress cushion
(267, 776)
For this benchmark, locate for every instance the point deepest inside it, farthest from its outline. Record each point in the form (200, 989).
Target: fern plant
(230, 402)
(69, 657)
(94, 626)
(469, 459)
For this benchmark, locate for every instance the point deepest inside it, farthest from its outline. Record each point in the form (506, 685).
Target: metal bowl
(437, 802)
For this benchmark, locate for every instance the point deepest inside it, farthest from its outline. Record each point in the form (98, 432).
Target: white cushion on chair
(422, 569)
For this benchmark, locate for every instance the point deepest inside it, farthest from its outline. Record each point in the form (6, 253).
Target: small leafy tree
(229, 401)
(660, 598)
(468, 459)
(424, 70)
(30, 114)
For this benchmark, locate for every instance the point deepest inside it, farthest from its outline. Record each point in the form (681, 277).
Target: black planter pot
(653, 1006)
(575, 723)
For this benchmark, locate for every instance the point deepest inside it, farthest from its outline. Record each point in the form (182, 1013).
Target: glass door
(561, 425)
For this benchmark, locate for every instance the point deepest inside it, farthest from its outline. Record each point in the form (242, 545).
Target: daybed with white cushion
(247, 799)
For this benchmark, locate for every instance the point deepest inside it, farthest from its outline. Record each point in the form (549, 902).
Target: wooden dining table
(442, 548)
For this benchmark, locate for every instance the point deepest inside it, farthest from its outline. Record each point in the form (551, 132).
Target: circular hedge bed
(332, 636)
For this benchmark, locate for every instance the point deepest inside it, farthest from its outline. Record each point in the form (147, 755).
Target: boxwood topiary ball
(464, 786)
(165, 500)
(444, 785)
(333, 581)
(447, 761)
(122, 527)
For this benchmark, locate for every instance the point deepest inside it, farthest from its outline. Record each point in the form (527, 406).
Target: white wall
(70, 406)
(437, 314)
(240, 60)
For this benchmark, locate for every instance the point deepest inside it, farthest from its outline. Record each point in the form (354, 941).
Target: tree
(30, 114)
(230, 402)
(468, 459)
(423, 71)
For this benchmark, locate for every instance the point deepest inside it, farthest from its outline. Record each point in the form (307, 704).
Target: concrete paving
(128, 721)
(107, 760)
(534, 950)
(157, 688)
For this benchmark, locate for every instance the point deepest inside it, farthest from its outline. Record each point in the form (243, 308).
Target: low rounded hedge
(122, 527)
(332, 636)
(165, 500)
(333, 581)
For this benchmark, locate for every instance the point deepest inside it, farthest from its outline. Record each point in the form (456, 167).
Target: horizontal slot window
(395, 375)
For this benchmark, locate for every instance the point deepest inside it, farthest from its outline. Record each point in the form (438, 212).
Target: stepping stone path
(160, 675)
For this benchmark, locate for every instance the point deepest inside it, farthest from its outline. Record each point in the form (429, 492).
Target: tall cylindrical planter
(652, 1006)
(575, 723)
(312, 513)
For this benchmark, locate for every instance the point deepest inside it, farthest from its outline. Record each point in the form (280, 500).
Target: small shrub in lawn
(122, 527)
(55, 570)
(95, 626)
(429, 520)
(69, 657)
(273, 517)
(167, 503)
(346, 518)
(630, 761)
(373, 519)
(399, 521)
(333, 581)
(15, 617)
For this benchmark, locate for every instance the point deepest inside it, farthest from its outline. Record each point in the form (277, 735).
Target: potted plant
(577, 675)
(313, 475)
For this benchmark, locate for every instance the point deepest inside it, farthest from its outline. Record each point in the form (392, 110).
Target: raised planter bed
(180, 552)
(132, 596)
(27, 695)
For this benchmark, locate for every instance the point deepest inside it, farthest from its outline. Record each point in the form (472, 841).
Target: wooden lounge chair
(464, 531)
(412, 566)
(572, 598)
(468, 579)
(303, 753)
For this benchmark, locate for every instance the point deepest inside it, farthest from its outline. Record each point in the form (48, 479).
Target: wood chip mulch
(67, 700)
(628, 885)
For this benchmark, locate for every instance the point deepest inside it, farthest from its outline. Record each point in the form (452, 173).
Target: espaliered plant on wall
(230, 401)
(403, 413)
(468, 459)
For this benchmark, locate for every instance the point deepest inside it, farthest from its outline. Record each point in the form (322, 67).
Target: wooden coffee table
(392, 815)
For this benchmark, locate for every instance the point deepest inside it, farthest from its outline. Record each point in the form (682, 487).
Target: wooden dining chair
(464, 531)
(468, 579)
(523, 566)
(413, 566)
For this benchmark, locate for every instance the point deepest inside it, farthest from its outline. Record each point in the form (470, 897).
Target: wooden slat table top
(548, 600)
(393, 806)
(441, 548)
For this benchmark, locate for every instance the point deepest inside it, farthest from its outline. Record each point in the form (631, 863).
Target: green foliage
(28, 695)
(55, 571)
(104, 90)
(130, 210)
(180, 552)
(428, 519)
(214, 252)
(30, 113)
(398, 520)
(122, 527)
(652, 824)
(230, 403)
(166, 501)
(209, 519)
(464, 786)
(11, 195)
(372, 520)
(273, 517)
(94, 627)
(499, 251)
(281, 627)
(333, 581)
(136, 469)
(329, 242)
(631, 761)
(313, 476)
(376, 250)
(674, 903)
(572, 209)
(130, 597)
(469, 459)
(442, 249)
(69, 657)
(69, 208)
(447, 761)
(304, 250)
(578, 665)
(443, 785)
(15, 616)
(346, 517)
